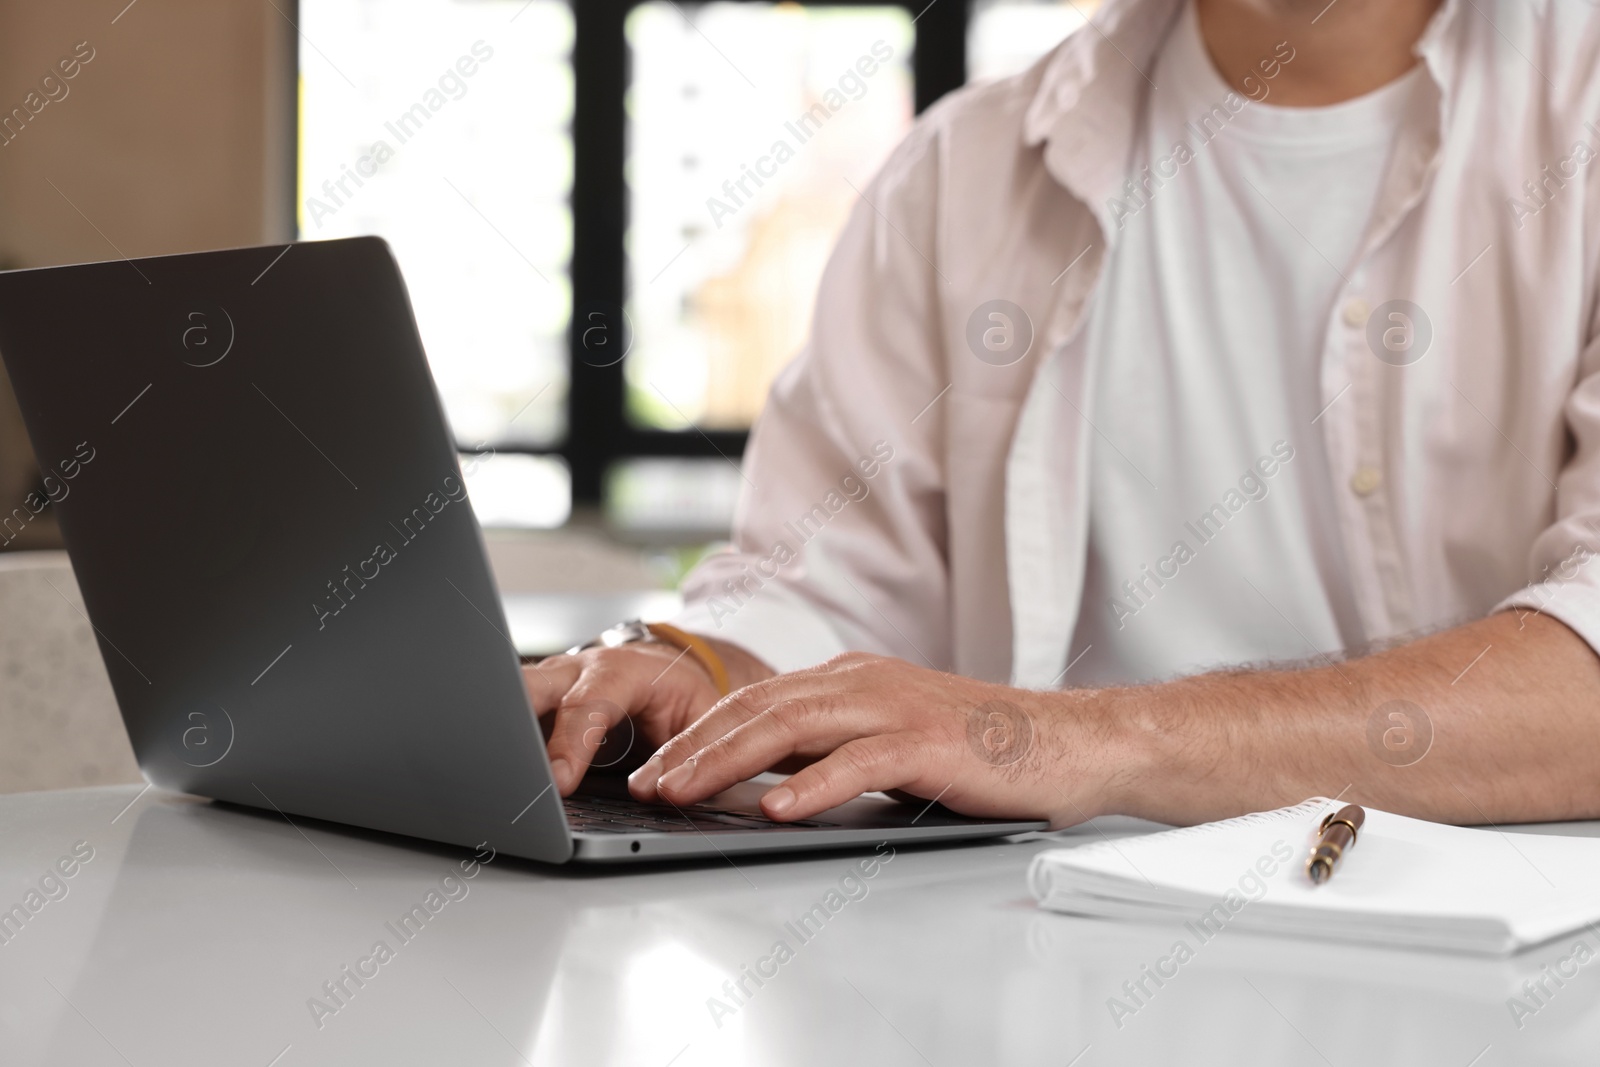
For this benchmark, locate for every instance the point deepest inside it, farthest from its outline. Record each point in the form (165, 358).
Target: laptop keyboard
(604, 815)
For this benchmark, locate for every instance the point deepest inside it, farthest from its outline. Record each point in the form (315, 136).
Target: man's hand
(873, 723)
(583, 698)
(1508, 702)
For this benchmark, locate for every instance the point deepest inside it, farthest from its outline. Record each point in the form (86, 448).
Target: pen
(1335, 835)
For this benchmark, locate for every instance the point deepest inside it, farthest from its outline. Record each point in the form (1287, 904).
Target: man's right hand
(662, 689)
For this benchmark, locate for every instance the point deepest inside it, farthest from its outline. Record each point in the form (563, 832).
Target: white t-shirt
(1212, 538)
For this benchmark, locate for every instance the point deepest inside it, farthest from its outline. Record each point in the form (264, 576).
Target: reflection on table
(200, 934)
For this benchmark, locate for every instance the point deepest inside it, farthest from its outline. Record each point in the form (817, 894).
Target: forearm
(1513, 704)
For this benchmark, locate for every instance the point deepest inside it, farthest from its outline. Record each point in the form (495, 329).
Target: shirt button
(1356, 312)
(1365, 480)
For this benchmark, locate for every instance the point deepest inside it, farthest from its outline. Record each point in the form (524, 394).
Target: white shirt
(1208, 480)
(965, 548)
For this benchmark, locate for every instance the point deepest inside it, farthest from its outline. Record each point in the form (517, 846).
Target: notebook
(1407, 882)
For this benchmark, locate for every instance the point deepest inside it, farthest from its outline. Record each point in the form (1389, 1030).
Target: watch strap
(696, 646)
(633, 631)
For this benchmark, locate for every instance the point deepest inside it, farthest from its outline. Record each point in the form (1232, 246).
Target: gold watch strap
(698, 647)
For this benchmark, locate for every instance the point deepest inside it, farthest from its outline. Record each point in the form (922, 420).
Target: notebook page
(1403, 874)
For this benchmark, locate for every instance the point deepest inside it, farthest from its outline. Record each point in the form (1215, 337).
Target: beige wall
(174, 137)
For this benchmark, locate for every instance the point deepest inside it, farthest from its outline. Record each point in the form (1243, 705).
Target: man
(1205, 419)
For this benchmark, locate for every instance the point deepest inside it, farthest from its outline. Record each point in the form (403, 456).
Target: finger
(548, 681)
(883, 761)
(604, 694)
(730, 712)
(721, 717)
(811, 726)
(583, 736)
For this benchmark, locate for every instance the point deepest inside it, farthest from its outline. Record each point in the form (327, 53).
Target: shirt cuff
(1574, 604)
(782, 630)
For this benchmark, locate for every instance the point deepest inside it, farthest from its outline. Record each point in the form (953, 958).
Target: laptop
(263, 506)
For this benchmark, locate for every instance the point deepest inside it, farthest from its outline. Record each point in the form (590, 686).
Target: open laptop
(263, 506)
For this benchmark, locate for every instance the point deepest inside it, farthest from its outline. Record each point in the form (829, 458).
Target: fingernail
(561, 770)
(645, 777)
(677, 778)
(779, 800)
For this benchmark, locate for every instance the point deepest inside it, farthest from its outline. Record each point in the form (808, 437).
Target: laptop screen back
(266, 516)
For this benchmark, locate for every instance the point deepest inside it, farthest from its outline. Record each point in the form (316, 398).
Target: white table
(197, 934)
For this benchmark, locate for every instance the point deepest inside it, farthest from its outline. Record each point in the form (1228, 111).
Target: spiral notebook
(1407, 882)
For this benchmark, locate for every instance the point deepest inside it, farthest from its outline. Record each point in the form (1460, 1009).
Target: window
(444, 127)
(1005, 37)
(751, 126)
(608, 253)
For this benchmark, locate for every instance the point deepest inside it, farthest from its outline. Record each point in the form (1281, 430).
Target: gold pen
(1335, 836)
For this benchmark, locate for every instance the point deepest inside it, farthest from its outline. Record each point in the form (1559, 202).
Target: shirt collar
(1086, 110)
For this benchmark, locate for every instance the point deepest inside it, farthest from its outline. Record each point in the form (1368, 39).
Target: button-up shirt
(913, 488)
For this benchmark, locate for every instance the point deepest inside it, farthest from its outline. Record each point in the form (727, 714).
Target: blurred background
(608, 252)
(545, 172)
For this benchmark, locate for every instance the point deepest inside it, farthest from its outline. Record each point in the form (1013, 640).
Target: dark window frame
(599, 432)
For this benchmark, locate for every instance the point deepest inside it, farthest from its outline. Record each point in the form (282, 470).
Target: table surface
(203, 934)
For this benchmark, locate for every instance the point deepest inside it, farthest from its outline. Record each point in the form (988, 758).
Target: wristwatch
(627, 632)
(635, 631)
